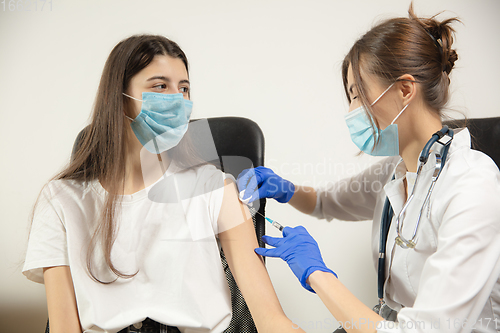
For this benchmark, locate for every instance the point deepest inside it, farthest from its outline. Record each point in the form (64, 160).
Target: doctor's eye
(184, 90)
(354, 97)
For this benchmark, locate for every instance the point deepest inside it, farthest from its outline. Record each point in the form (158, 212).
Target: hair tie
(439, 44)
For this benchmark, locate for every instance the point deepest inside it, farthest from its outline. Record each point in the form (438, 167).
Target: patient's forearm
(61, 300)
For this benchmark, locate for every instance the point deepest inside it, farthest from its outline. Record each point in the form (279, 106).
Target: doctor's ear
(408, 88)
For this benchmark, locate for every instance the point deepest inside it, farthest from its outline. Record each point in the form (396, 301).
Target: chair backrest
(485, 133)
(240, 145)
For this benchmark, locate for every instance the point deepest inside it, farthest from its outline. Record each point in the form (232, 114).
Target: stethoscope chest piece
(405, 244)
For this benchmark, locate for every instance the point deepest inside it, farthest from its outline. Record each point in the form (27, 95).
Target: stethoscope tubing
(388, 212)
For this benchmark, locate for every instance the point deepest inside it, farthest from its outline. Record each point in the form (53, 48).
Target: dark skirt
(150, 326)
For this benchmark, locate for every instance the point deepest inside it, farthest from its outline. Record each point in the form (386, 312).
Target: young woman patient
(128, 233)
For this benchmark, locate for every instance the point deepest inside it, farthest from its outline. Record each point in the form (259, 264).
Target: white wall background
(276, 62)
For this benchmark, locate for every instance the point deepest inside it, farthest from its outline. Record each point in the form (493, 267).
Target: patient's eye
(161, 86)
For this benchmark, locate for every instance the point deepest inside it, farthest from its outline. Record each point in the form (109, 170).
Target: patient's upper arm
(232, 212)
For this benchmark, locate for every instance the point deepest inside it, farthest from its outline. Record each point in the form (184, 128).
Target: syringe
(255, 211)
(273, 223)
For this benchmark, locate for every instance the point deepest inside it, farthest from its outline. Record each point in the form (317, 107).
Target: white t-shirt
(450, 281)
(170, 243)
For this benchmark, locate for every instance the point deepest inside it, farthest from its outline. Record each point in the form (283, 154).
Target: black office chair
(240, 145)
(485, 134)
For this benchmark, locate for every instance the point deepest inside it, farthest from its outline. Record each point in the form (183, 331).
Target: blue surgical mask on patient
(362, 134)
(162, 122)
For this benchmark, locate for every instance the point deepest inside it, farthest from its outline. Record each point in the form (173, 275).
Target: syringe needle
(273, 223)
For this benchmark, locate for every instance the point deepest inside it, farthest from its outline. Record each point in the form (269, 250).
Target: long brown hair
(420, 47)
(101, 152)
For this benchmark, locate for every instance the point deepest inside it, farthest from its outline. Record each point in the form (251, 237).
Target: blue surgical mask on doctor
(362, 134)
(162, 122)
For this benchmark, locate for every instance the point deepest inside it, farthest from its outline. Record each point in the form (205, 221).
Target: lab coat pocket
(417, 257)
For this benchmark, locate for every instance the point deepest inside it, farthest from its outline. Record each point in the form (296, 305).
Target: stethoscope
(444, 138)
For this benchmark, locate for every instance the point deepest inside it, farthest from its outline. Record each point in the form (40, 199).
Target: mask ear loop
(382, 94)
(140, 100)
(400, 113)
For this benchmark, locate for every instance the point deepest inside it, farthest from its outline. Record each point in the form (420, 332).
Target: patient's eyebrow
(159, 77)
(166, 79)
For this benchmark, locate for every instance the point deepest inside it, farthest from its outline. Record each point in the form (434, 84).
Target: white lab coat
(450, 281)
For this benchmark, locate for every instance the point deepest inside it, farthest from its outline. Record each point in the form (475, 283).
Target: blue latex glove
(299, 250)
(262, 182)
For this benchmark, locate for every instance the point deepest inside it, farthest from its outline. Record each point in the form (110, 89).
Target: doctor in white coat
(442, 268)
